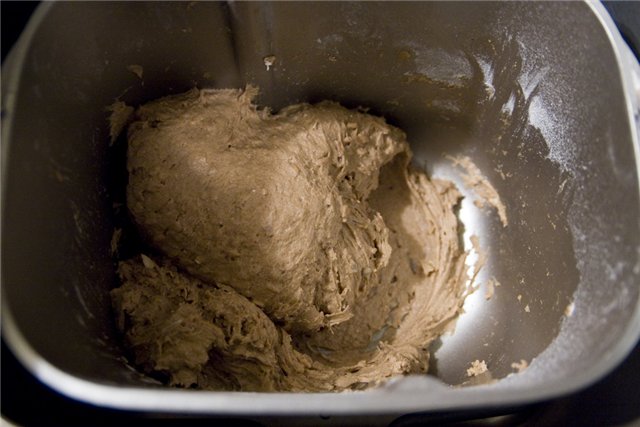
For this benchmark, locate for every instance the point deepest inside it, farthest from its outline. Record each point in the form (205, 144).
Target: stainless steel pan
(541, 96)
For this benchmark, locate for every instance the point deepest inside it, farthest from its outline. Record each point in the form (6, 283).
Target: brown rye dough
(300, 251)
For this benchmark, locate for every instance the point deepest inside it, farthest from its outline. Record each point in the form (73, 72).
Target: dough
(296, 251)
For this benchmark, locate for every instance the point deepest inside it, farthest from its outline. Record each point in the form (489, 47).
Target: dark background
(613, 401)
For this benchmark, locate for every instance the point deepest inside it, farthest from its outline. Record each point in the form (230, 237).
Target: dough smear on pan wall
(295, 252)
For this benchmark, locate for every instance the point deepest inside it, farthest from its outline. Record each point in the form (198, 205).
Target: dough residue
(478, 367)
(119, 118)
(569, 309)
(269, 61)
(136, 69)
(520, 366)
(490, 289)
(115, 240)
(486, 194)
(291, 252)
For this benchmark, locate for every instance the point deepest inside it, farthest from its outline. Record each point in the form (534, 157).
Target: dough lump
(295, 252)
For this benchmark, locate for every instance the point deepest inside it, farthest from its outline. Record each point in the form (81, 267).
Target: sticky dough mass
(293, 252)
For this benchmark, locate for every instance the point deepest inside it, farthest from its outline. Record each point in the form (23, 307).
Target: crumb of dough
(490, 288)
(115, 240)
(136, 69)
(527, 309)
(478, 367)
(569, 309)
(520, 366)
(269, 61)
